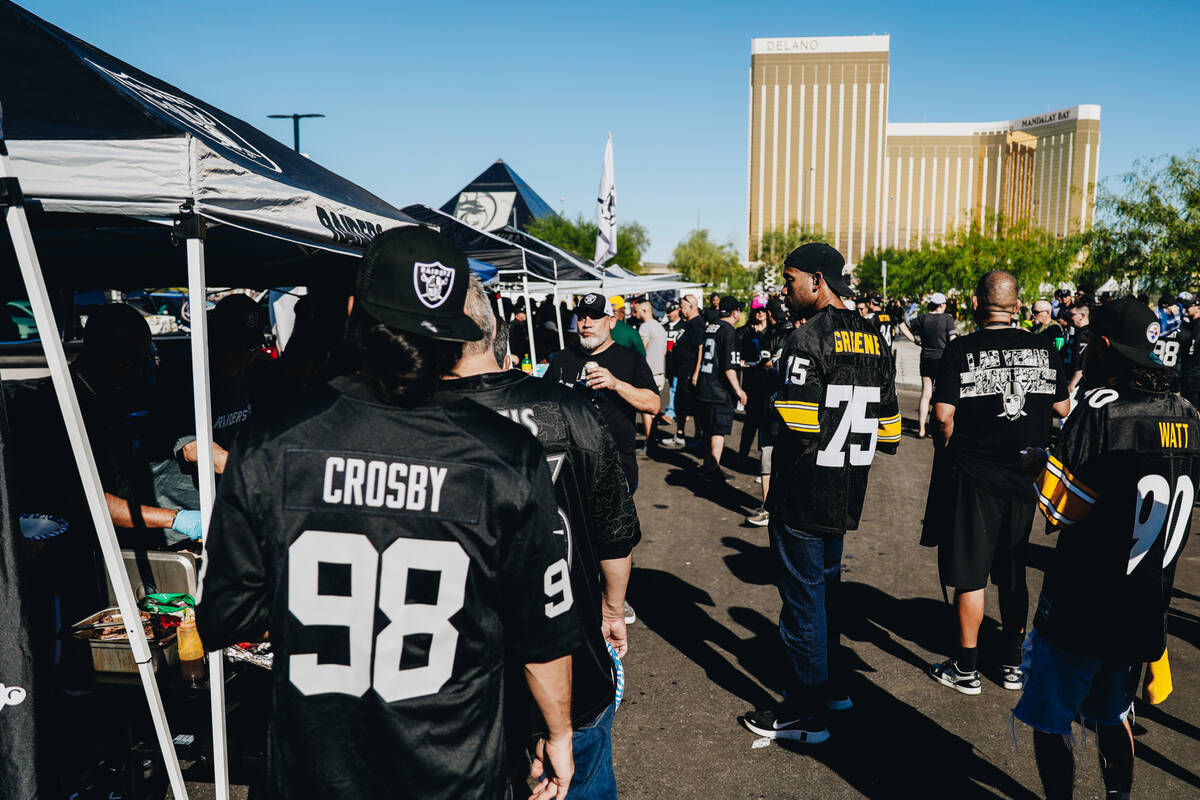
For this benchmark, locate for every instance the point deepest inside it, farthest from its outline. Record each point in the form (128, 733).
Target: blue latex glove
(188, 523)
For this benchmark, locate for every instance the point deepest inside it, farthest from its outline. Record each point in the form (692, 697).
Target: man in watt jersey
(399, 548)
(598, 527)
(836, 407)
(1118, 488)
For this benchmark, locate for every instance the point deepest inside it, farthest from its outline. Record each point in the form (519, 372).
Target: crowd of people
(437, 544)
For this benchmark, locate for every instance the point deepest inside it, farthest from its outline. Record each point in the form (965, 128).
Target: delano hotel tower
(824, 156)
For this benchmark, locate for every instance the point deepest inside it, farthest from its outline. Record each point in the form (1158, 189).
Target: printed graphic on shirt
(1009, 374)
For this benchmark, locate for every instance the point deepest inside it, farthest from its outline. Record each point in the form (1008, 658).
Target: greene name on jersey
(837, 406)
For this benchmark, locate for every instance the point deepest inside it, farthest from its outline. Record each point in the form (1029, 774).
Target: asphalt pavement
(705, 648)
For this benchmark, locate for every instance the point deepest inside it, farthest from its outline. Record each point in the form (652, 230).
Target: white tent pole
(68, 402)
(558, 320)
(202, 404)
(528, 311)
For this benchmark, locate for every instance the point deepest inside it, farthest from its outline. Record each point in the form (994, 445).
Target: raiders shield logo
(433, 282)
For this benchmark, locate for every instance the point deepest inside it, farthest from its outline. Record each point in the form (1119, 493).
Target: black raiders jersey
(719, 353)
(597, 516)
(1177, 348)
(1119, 488)
(837, 406)
(396, 555)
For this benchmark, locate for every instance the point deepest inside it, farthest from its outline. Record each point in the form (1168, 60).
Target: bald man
(997, 392)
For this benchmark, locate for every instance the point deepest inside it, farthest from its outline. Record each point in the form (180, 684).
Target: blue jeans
(810, 579)
(594, 778)
(1060, 685)
(670, 412)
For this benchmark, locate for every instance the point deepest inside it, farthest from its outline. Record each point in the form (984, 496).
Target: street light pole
(804, 200)
(295, 118)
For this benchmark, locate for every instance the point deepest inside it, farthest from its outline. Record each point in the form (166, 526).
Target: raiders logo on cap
(433, 282)
(591, 298)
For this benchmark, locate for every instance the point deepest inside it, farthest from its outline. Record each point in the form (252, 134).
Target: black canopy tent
(130, 181)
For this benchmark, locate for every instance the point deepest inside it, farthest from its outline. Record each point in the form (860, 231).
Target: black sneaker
(1012, 677)
(784, 723)
(713, 474)
(947, 674)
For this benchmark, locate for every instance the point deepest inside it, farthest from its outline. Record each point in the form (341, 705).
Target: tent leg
(202, 404)
(64, 389)
(529, 322)
(559, 321)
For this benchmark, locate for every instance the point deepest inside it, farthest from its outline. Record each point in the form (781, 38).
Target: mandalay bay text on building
(823, 155)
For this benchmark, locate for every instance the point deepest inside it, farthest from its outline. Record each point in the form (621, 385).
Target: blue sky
(421, 98)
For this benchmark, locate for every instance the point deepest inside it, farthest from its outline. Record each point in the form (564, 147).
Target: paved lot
(706, 648)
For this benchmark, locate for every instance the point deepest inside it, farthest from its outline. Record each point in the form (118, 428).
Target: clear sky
(422, 97)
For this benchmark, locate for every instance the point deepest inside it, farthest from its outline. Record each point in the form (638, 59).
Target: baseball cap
(937, 298)
(1186, 300)
(594, 305)
(730, 304)
(874, 297)
(778, 309)
(616, 301)
(1130, 328)
(820, 257)
(672, 307)
(758, 302)
(414, 279)
(238, 319)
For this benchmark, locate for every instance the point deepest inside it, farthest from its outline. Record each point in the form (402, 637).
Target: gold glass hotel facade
(823, 155)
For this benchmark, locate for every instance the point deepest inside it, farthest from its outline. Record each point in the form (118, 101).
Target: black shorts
(716, 418)
(685, 397)
(929, 367)
(977, 534)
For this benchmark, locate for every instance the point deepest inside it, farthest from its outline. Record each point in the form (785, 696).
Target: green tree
(1148, 236)
(702, 260)
(578, 236)
(954, 263)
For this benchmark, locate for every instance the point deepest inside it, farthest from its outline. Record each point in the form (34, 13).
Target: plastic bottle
(526, 363)
(191, 649)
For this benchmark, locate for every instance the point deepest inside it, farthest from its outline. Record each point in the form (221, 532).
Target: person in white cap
(932, 330)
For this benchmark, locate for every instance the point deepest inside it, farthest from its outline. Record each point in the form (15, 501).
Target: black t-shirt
(599, 519)
(1077, 347)
(674, 332)
(933, 331)
(398, 557)
(1119, 488)
(567, 368)
(1189, 361)
(1003, 383)
(720, 353)
(836, 407)
(1053, 332)
(687, 349)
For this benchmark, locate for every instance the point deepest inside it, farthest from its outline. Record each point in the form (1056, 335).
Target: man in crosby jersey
(598, 527)
(1119, 489)
(836, 406)
(398, 548)
(1174, 347)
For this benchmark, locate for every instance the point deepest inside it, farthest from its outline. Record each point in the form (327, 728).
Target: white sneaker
(630, 616)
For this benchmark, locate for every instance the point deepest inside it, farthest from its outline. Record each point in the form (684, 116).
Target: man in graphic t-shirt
(995, 396)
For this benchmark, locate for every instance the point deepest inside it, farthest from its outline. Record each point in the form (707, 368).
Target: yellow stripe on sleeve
(889, 429)
(1062, 498)
(798, 416)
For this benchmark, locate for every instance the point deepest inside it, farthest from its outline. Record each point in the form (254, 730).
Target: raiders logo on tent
(433, 282)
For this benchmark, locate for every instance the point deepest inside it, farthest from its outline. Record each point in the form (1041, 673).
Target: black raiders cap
(1129, 328)
(819, 257)
(729, 304)
(593, 305)
(237, 319)
(414, 279)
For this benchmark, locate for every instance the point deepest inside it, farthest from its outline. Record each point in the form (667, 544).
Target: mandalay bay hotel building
(824, 156)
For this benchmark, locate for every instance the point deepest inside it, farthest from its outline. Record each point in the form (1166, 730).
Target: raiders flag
(18, 764)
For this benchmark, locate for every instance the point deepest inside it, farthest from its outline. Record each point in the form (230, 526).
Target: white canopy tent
(116, 169)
